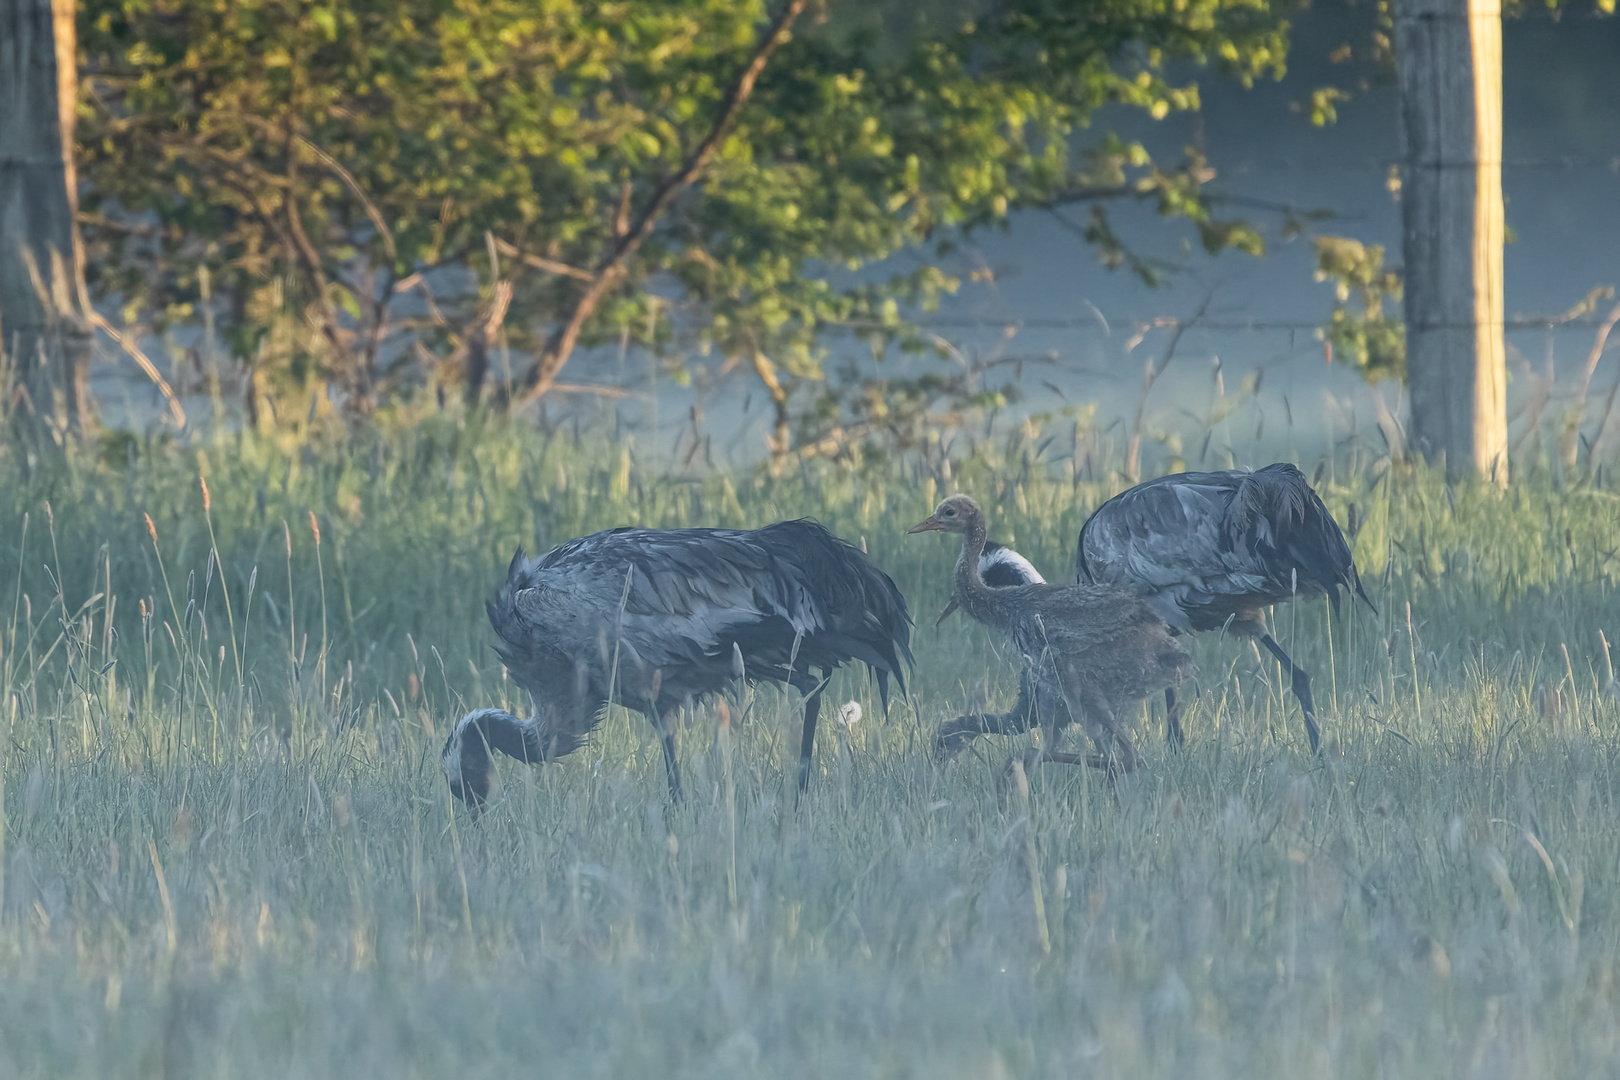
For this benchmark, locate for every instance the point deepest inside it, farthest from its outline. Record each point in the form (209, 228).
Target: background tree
(387, 195)
(43, 330)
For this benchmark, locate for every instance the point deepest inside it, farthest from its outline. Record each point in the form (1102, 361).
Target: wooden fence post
(1449, 57)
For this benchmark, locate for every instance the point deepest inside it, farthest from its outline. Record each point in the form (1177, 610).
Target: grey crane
(1213, 550)
(1089, 650)
(656, 619)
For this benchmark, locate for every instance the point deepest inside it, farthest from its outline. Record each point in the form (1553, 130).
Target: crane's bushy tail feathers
(865, 613)
(1306, 531)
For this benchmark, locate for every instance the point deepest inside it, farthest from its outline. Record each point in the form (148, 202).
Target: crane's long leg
(1098, 720)
(1172, 719)
(1122, 755)
(953, 735)
(666, 735)
(1302, 690)
(1115, 752)
(810, 687)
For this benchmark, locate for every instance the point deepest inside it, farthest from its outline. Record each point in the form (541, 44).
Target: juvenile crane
(1089, 650)
(1212, 551)
(655, 619)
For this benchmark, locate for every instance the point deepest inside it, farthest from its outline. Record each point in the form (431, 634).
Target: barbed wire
(951, 322)
(1382, 165)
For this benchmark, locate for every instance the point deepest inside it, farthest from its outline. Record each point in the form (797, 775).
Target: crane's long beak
(952, 606)
(929, 525)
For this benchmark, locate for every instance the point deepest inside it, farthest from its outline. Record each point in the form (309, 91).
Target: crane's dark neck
(531, 741)
(466, 755)
(498, 730)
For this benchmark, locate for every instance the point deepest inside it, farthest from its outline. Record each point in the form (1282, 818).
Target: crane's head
(957, 514)
(466, 758)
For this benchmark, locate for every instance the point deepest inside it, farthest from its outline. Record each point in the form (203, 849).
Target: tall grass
(227, 849)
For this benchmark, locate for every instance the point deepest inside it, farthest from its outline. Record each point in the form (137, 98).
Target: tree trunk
(1449, 55)
(43, 325)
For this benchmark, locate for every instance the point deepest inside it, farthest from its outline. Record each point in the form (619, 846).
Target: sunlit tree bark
(1449, 53)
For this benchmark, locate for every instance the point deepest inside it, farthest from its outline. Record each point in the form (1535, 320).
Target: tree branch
(337, 169)
(133, 351)
(560, 345)
(311, 258)
(102, 221)
(540, 262)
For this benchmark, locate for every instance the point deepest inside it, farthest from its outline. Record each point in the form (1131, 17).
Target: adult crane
(1213, 550)
(656, 619)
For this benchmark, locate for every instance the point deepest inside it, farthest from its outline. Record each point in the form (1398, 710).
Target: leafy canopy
(376, 193)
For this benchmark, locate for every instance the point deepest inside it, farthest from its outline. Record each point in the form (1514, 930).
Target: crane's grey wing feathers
(655, 619)
(1194, 540)
(686, 598)
(788, 592)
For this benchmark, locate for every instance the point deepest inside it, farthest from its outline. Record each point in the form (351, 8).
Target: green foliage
(1360, 332)
(360, 178)
(1324, 105)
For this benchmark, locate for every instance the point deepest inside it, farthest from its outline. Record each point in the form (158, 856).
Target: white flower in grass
(849, 714)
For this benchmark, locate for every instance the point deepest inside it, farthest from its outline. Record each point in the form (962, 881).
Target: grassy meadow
(228, 850)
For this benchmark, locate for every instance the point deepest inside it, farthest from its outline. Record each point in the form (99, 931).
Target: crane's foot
(1111, 766)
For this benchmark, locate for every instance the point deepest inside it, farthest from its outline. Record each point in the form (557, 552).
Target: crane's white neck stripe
(1006, 556)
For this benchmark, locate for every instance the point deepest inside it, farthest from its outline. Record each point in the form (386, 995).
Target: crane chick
(1000, 567)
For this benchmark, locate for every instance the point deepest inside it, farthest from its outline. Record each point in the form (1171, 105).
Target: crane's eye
(949, 512)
